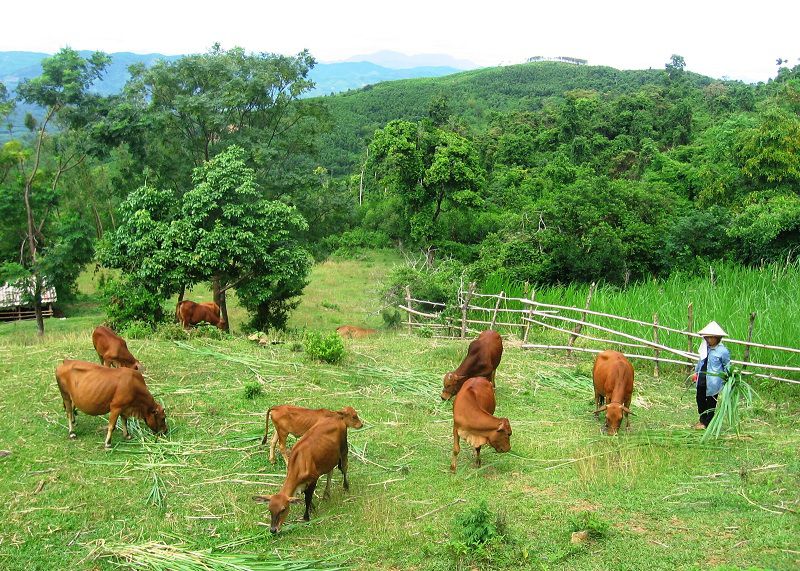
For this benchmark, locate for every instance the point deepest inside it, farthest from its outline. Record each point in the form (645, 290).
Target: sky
(722, 39)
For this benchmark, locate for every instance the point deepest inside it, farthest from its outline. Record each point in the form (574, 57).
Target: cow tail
(266, 429)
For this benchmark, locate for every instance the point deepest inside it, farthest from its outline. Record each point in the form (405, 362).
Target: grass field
(670, 502)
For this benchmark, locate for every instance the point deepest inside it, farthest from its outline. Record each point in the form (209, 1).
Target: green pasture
(670, 501)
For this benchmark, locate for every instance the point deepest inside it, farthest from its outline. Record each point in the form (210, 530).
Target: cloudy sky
(734, 39)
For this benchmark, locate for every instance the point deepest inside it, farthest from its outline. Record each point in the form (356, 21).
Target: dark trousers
(705, 405)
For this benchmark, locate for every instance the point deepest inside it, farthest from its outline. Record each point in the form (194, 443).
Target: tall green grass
(770, 291)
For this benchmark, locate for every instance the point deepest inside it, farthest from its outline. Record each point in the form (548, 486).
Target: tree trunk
(219, 299)
(37, 288)
(181, 295)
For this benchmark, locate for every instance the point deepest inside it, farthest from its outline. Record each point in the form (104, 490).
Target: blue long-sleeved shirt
(719, 363)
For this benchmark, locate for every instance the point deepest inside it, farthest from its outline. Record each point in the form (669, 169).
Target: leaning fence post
(408, 305)
(464, 309)
(530, 316)
(689, 328)
(656, 368)
(578, 326)
(496, 308)
(746, 356)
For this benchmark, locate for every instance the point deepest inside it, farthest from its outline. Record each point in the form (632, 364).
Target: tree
(62, 90)
(222, 230)
(430, 170)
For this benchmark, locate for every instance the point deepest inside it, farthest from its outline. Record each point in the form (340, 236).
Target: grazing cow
(112, 349)
(613, 379)
(190, 313)
(296, 420)
(96, 390)
(353, 332)
(473, 420)
(483, 357)
(318, 452)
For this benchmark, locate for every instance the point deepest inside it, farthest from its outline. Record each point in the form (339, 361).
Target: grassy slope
(672, 503)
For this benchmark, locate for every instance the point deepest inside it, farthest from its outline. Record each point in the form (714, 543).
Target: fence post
(579, 326)
(496, 307)
(656, 368)
(464, 310)
(746, 356)
(530, 316)
(689, 327)
(408, 305)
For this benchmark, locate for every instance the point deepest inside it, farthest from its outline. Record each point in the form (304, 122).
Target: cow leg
(272, 444)
(343, 449)
(125, 427)
(599, 400)
(112, 422)
(456, 450)
(282, 443)
(477, 456)
(69, 408)
(327, 493)
(627, 415)
(309, 492)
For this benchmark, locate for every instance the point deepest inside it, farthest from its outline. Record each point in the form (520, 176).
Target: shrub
(425, 332)
(137, 329)
(252, 390)
(170, 331)
(125, 303)
(476, 530)
(327, 348)
(391, 317)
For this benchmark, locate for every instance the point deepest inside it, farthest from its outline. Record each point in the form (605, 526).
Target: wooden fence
(475, 312)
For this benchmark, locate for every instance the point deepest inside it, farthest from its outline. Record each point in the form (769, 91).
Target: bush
(125, 303)
(170, 331)
(137, 330)
(391, 317)
(252, 390)
(477, 529)
(327, 348)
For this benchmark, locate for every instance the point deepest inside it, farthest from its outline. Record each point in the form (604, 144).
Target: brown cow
(482, 360)
(296, 420)
(112, 349)
(96, 390)
(354, 332)
(473, 420)
(190, 313)
(613, 379)
(318, 452)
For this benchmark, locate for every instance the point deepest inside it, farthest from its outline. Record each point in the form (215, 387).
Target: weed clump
(477, 531)
(137, 329)
(326, 348)
(252, 390)
(595, 526)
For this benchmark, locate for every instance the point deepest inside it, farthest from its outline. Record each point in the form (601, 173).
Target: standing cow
(613, 380)
(190, 313)
(482, 360)
(95, 390)
(112, 349)
(474, 420)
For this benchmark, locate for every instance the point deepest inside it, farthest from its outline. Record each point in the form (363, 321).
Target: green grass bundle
(727, 414)
(157, 556)
(327, 348)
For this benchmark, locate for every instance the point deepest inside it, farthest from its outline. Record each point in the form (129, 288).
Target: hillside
(473, 96)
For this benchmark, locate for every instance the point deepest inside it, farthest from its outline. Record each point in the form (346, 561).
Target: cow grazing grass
(669, 500)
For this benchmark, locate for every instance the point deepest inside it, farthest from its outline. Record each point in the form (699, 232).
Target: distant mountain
(329, 77)
(397, 60)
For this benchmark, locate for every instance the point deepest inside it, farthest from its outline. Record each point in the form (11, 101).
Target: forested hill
(472, 96)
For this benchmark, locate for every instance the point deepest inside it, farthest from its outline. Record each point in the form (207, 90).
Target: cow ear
(294, 500)
(602, 408)
(262, 499)
(500, 428)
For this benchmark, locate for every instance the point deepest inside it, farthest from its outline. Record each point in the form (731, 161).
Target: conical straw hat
(712, 330)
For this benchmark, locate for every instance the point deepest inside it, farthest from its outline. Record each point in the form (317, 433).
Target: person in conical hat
(710, 371)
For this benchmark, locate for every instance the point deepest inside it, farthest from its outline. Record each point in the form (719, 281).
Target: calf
(296, 420)
(96, 390)
(190, 313)
(483, 357)
(613, 379)
(473, 420)
(318, 452)
(112, 349)
(353, 332)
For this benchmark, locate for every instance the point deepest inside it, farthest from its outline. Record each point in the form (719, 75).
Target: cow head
(156, 419)
(350, 417)
(500, 439)
(614, 412)
(451, 385)
(222, 324)
(278, 508)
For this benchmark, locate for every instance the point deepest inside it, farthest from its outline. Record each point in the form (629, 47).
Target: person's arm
(725, 360)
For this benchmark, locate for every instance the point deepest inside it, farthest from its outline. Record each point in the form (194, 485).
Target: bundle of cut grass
(734, 391)
(157, 556)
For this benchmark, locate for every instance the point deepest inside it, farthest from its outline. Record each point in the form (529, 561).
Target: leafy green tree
(430, 170)
(62, 90)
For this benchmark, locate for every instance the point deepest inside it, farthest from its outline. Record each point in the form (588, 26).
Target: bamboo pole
(464, 310)
(689, 326)
(496, 307)
(408, 303)
(656, 367)
(530, 314)
(420, 313)
(589, 337)
(577, 329)
(746, 356)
